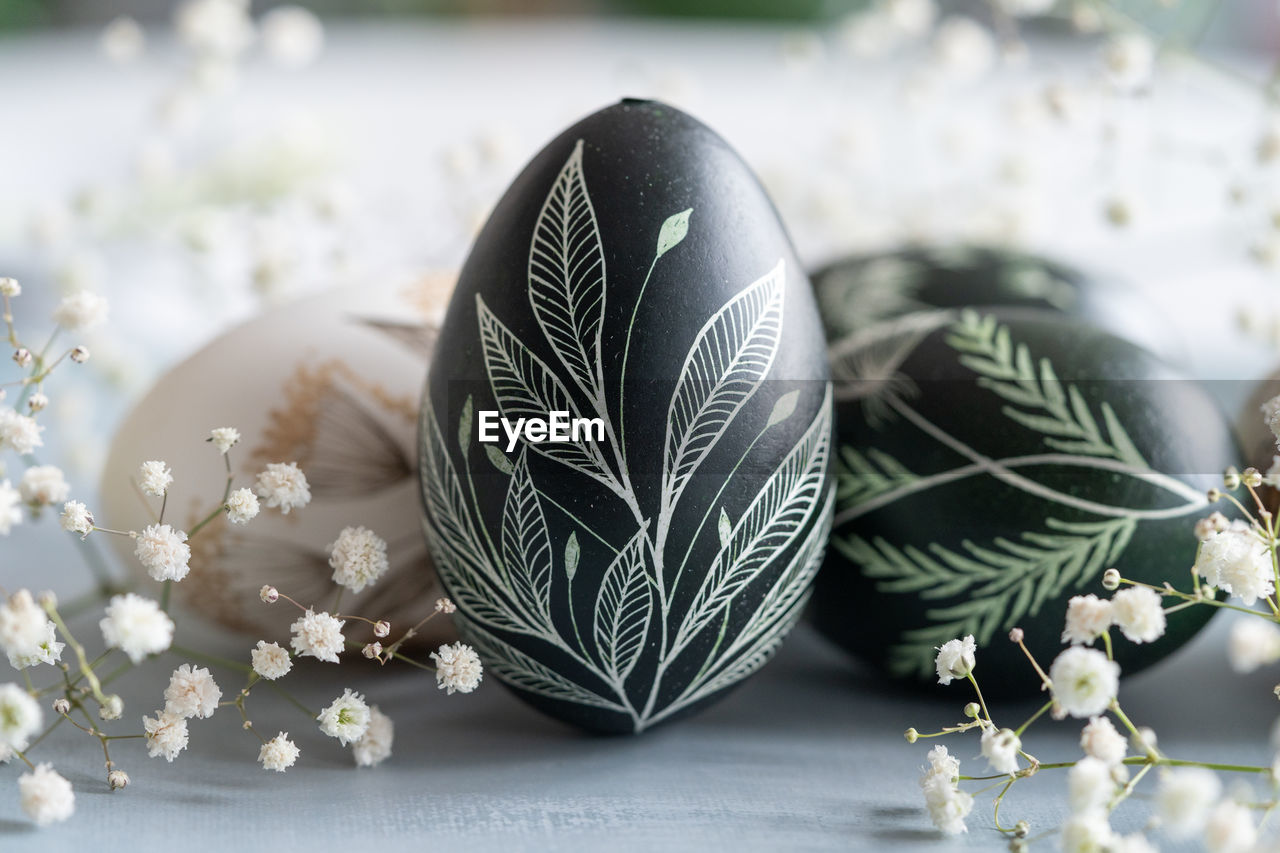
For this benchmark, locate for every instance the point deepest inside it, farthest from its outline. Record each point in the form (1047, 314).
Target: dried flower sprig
(34, 631)
(1236, 568)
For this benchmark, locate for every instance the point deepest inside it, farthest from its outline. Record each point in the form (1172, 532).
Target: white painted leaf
(567, 276)
(506, 662)
(730, 358)
(623, 609)
(725, 528)
(673, 231)
(464, 428)
(781, 510)
(526, 547)
(498, 458)
(784, 408)
(572, 553)
(524, 387)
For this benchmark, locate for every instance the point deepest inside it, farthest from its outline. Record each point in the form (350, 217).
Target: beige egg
(331, 382)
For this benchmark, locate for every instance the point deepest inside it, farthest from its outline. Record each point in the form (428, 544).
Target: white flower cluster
(948, 805)
(1137, 611)
(358, 558)
(27, 635)
(458, 668)
(1238, 561)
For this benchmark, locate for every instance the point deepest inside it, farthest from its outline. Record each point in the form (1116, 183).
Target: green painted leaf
(784, 408)
(673, 231)
(464, 428)
(498, 458)
(572, 552)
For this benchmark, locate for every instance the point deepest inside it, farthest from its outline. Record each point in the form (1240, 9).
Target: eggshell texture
(989, 466)
(330, 382)
(859, 291)
(621, 582)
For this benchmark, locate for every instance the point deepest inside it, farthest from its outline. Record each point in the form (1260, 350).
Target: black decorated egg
(991, 465)
(626, 430)
(859, 291)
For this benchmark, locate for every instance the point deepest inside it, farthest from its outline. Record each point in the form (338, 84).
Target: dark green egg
(992, 464)
(859, 291)
(636, 275)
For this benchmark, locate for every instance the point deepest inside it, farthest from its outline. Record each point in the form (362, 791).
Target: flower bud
(381, 628)
(1018, 845)
(1231, 478)
(372, 651)
(1251, 478)
(1021, 829)
(911, 735)
(1111, 580)
(972, 710)
(118, 779)
(1213, 496)
(80, 355)
(112, 709)
(37, 402)
(269, 594)
(444, 605)
(22, 357)
(61, 707)
(10, 287)
(1016, 635)
(47, 599)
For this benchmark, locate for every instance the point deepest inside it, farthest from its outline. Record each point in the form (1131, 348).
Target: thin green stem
(1022, 728)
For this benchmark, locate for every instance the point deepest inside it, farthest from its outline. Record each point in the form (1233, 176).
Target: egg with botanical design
(330, 382)
(862, 290)
(626, 429)
(990, 465)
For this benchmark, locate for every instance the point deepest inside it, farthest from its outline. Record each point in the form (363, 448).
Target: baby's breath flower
(1100, 740)
(1237, 561)
(318, 635)
(42, 485)
(61, 706)
(1129, 59)
(1230, 829)
(112, 709)
(458, 668)
(137, 626)
(242, 506)
(38, 402)
(270, 660)
(10, 507)
(163, 552)
(80, 354)
(948, 806)
(269, 594)
(1084, 681)
(192, 692)
(358, 558)
(279, 753)
(283, 485)
(1087, 832)
(1089, 784)
(23, 625)
(154, 477)
(1138, 613)
(1214, 522)
(117, 780)
(224, 438)
(10, 287)
(964, 48)
(372, 650)
(23, 357)
(1088, 617)
(445, 606)
(83, 310)
(1000, 748)
(48, 650)
(956, 659)
(76, 518)
(1184, 798)
(46, 797)
(374, 746)
(20, 717)
(346, 718)
(381, 628)
(166, 735)
(1254, 643)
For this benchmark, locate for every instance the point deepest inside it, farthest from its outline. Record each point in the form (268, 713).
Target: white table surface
(808, 755)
